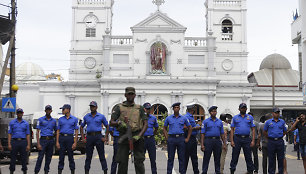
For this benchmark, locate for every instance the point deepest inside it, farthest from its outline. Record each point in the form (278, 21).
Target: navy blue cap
(48, 107)
(147, 105)
(176, 104)
(212, 108)
(19, 110)
(242, 105)
(275, 109)
(66, 106)
(93, 103)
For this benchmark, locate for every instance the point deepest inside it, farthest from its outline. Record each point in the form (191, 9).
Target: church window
(196, 59)
(90, 32)
(199, 112)
(158, 110)
(158, 57)
(227, 30)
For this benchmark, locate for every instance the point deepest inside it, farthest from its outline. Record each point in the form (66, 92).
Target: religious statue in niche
(158, 58)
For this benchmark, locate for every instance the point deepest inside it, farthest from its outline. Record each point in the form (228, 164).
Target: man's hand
(122, 126)
(224, 146)
(232, 144)
(39, 147)
(104, 139)
(1, 148)
(136, 137)
(202, 148)
(186, 140)
(28, 148)
(73, 146)
(58, 146)
(9, 147)
(295, 143)
(252, 144)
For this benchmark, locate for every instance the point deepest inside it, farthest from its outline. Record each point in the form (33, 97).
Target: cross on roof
(158, 3)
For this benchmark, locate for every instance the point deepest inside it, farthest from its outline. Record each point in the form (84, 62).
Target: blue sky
(44, 28)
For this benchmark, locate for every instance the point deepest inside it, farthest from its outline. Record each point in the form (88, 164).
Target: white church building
(163, 64)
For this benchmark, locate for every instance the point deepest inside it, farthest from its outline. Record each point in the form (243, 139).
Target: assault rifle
(128, 135)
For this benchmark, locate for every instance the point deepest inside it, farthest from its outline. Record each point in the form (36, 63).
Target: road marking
(32, 157)
(97, 156)
(147, 156)
(55, 157)
(200, 156)
(79, 156)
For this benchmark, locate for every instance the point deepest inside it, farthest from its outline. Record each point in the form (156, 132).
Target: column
(181, 101)
(303, 44)
(105, 97)
(107, 40)
(211, 46)
(72, 103)
(143, 98)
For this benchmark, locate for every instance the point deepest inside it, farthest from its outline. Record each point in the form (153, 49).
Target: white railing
(227, 36)
(122, 40)
(227, 2)
(91, 1)
(195, 41)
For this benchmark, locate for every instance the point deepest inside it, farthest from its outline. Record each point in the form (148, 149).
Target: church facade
(159, 60)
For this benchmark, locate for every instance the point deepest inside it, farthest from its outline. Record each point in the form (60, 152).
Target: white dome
(29, 69)
(279, 62)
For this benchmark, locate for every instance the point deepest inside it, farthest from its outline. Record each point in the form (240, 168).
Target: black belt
(212, 137)
(46, 137)
(148, 136)
(275, 139)
(93, 133)
(18, 139)
(66, 135)
(243, 136)
(176, 135)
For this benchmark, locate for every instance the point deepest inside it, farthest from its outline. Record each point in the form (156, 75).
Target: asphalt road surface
(294, 166)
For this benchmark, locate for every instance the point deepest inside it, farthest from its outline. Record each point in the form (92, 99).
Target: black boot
(86, 171)
(232, 172)
(105, 171)
(46, 172)
(60, 171)
(24, 172)
(11, 172)
(72, 171)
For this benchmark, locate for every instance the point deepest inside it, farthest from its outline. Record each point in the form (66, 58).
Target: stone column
(107, 40)
(104, 103)
(143, 98)
(72, 103)
(211, 46)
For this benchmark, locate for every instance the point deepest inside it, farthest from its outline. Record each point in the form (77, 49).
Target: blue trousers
(47, 149)
(93, 141)
(276, 148)
(212, 146)
(191, 151)
(66, 146)
(19, 146)
(243, 143)
(149, 144)
(179, 144)
(114, 163)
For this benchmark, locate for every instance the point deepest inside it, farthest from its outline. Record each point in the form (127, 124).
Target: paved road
(294, 166)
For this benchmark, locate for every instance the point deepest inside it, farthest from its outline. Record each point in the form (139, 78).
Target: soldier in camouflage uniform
(139, 124)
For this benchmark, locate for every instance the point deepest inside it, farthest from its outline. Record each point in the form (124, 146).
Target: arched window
(199, 112)
(158, 110)
(227, 30)
(158, 58)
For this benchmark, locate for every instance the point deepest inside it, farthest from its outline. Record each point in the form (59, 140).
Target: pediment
(158, 21)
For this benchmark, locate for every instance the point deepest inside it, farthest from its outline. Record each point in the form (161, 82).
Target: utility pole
(12, 63)
(273, 87)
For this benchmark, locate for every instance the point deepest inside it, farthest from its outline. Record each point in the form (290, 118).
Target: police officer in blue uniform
(19, 141)
(94, 122)
(240, 127)
(67, 126)
(149, 140)
(176, 138)
(275, 129)
(191, 146)
(113, 131)
(46, 127)
(212, 131)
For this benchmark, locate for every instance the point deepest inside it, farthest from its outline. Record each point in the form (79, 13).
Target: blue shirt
(46, 127)
(115, 132)
(67, 126)
(152, 122)
(212, 128)
(192, 123)
(275, 129)
(296, 132)
(242, 125)
(94, 124)
(19, 129)
(176, 124)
